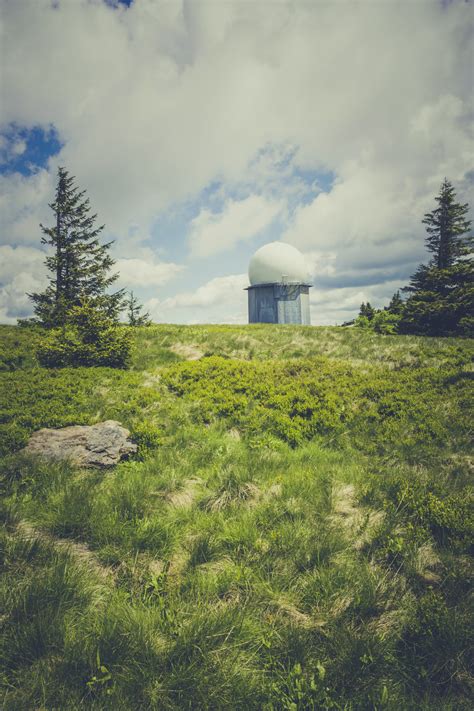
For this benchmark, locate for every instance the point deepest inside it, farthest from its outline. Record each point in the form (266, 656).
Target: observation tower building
(279, 285)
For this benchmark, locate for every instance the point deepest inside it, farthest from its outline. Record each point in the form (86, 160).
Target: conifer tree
(367, 310)
(441, 300)
(447, 228)
(396, 304)
(134, 308)
(79, 264)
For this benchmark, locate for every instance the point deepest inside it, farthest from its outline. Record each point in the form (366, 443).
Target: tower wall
(262, 304)
(279, 303)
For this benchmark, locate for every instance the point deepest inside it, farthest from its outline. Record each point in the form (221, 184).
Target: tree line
(439, 299)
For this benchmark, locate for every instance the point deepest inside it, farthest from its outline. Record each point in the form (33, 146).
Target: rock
(100, 445)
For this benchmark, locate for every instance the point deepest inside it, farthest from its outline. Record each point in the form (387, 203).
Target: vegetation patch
(300, 399)
(294, 532)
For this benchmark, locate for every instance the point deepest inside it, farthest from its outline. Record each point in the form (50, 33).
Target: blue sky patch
(117, 3)
(26, 150)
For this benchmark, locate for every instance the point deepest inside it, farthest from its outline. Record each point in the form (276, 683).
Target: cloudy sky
(202, 130)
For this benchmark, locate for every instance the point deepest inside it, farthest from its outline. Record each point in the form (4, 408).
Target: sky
(202, 130)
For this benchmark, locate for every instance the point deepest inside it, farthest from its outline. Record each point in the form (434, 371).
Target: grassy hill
(293, 534)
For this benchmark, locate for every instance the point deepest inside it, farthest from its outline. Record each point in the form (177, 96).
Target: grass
(294, 533)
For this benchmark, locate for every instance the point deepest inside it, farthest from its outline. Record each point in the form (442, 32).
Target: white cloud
(22, 271)
(138, 272)
(155, 102)
(335, 306)
(23, 205)
(19, 147)
(14, 260)
(216, 291)
(211, 233)
(220, 300)
(10, 147)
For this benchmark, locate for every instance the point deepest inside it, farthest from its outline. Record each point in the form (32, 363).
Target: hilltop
(294, 532)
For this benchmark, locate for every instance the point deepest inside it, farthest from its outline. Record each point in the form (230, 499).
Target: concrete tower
(279, 286)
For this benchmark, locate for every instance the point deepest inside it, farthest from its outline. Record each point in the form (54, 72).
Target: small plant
(102, 679)
(134, 309)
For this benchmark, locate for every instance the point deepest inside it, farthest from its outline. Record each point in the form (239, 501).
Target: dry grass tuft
(186, 496)
(188, 351)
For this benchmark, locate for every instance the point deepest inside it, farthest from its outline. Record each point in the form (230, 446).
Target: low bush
(146, 436)
(89, 339)
(297, 400)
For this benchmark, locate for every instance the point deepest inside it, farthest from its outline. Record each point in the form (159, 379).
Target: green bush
(89, 339)
(12, 437)
(383, 322)
(10, 361)
(146, 436)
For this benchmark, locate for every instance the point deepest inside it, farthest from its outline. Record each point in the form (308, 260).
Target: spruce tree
(79, 264)
(367, 310)
(134, 308)
(447, 228)
(441, 300)
(396, 304)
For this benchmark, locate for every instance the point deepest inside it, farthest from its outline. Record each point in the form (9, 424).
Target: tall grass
(227, 567)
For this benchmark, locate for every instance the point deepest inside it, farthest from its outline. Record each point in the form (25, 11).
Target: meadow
(295, 532)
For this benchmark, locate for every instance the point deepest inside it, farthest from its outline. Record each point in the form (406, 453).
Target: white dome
(277, 262)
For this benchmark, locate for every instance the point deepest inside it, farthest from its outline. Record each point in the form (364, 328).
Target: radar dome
(277, 262)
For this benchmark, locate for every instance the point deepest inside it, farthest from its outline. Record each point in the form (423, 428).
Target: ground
(293, 534)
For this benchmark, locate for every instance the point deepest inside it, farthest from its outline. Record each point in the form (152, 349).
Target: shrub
(146, 436)
(10, 361)
(89, 339)
(12, 437)
(383, 322)
(363, 322)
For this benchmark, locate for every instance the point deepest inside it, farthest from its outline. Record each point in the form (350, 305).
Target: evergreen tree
(446, 227)
(135, 317)
(79, 264)
(396, 304)
(441, 300)
(367, 310)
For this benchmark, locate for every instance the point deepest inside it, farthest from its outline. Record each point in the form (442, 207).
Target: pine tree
(135, 317)
(79, 264)
(441, 300)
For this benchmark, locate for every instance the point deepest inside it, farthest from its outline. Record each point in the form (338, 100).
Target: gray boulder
(100, 445)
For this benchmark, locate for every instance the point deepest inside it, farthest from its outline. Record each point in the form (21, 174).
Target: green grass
(293, 534)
